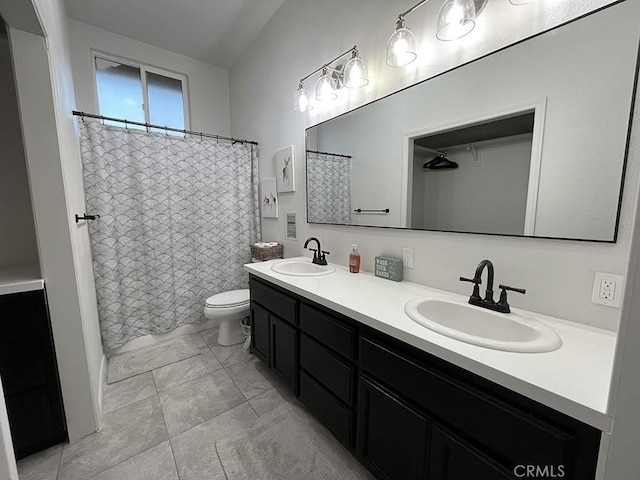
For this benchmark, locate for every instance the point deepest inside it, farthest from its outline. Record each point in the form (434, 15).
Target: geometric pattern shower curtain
(177, 216)
(328, 188)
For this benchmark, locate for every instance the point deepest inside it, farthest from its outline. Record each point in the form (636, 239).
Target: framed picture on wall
(285, 171)
(269, 198)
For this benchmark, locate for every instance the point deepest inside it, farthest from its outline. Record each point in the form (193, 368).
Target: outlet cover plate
(608, 289)
(407, 257)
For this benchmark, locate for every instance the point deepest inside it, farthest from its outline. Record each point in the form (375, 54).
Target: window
(140, 94)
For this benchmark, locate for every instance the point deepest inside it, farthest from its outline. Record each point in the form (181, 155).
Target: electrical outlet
(407, 257)
(608, 289)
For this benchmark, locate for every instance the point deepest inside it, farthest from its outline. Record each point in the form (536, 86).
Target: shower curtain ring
(166, 131)
(82, 117)
(126, 127)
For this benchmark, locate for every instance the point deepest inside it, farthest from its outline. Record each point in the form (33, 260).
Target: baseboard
(101, 387)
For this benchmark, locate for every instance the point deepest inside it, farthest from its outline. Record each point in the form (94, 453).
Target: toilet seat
(232, 298)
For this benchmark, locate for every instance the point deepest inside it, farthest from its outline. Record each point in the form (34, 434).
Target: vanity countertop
(575, 379)
(20, 278)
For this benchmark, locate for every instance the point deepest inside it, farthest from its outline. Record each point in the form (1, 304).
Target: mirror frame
(624, 162)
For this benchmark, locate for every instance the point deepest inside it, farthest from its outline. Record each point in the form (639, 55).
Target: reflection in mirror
(530, 140)
(476, 169)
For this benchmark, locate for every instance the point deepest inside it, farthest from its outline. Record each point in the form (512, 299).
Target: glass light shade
(456, 19)
(326, 88)
(302, 100)
(355, 73)
(401, 47)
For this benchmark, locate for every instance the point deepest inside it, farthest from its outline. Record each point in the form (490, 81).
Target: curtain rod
(329, 153)
(170, 129)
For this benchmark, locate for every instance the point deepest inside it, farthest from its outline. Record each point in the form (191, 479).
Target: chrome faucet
(487, 302)
(319, 255)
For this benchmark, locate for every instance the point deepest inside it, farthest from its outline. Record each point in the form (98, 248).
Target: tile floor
(217, 415)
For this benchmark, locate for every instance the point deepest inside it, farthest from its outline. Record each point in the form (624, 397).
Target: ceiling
(214, 31)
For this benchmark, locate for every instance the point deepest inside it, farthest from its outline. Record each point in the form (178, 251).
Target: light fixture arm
(411, 10)
(328, 64)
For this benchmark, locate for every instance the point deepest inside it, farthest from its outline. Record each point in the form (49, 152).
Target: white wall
(45, 96)
(208, 85)
(18, 235)
(558, 274)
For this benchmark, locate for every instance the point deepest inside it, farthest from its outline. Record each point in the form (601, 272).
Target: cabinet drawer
(331, 413)
(506, 432)
(276, 302)
(328, 330)
(325, 367)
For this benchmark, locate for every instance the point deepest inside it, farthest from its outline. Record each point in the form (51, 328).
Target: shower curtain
(177, 216)
(328, 188)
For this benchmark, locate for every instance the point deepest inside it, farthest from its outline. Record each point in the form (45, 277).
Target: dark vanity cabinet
(274, 335)
(409, 415)
(29, 373)
(328, 372)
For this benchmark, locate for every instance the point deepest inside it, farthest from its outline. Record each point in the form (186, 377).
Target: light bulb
(521, 2)
(355, 72)
(401, 47)
(302, 100)
(326, 88)
(456, 19)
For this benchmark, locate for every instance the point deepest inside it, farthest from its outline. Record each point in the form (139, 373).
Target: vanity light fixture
(401, 47)
(352, 74)
(355, 73)
(326, 87)
(302, 102)
(455, 20)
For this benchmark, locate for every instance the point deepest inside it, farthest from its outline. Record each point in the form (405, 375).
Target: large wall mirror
(527, 141)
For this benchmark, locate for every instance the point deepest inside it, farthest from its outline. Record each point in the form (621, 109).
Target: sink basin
(302, 268)
(511, 332)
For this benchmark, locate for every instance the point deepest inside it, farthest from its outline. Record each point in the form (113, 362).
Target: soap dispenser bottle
(354, 259)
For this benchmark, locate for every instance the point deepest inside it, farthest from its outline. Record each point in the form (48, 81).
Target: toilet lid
(232, 298)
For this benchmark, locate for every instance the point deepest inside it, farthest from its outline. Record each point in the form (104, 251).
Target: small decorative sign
(389, 268)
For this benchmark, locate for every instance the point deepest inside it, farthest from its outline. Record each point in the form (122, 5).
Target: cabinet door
(454, 459)
(392, 437)
(29, 373)
(284, 351)
(260, 332)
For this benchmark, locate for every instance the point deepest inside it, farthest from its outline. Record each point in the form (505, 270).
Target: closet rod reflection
(170, 129)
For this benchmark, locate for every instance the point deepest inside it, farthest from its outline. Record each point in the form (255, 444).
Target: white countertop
(575, 379)
(20, 278)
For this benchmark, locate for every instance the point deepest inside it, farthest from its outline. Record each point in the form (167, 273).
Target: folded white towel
(266, 244)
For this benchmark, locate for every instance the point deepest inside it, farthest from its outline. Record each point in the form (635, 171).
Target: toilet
(229, 308)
